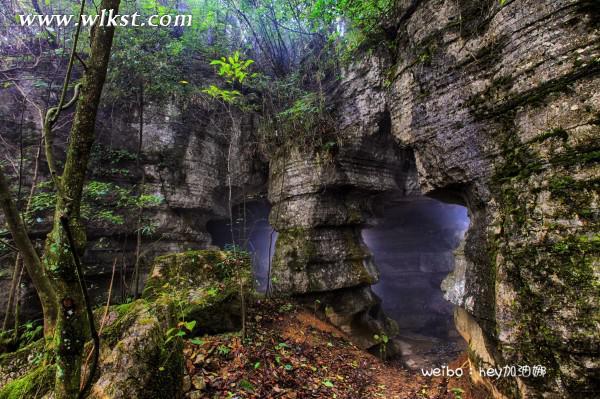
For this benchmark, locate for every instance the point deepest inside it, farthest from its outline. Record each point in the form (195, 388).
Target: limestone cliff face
(506, 115)
(499, 108)
(185, 150)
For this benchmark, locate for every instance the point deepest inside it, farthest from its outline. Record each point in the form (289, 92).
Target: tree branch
(22, 241)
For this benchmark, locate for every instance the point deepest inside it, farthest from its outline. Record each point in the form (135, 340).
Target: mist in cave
(412, 244)
(252, 232)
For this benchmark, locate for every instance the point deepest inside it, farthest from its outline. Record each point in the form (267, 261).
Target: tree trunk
(138, 244)
(72, 328)
(36, 272)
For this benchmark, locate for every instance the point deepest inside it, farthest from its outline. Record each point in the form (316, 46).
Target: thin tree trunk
(73, 326)
(11, 293)
(138, 243)
(16, 273)
(16, 334)
(36, 272)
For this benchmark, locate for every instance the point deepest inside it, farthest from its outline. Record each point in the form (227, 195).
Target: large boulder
(142, 353)
(204, 286)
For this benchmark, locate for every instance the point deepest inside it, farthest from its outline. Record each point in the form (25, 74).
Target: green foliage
(182, 329)
(235, 259)
(246, 385)
(233, 68)
(382, 340)
(355, 21)
(109, 216)
(148, 60)
(235, 71)
(32, 331)
(328, 383)
(286, 308)
(148, 200)
(306, 124)
(103, 202)
(36, 382)
(223, 350)
(457, 392)
(227, 96)
(111, 162)
(43, 201)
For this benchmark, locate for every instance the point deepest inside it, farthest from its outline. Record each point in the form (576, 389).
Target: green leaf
(190, 325)
(197, 341)
(246, 385)
(328, 384)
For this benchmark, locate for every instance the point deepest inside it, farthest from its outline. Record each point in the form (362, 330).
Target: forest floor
(290, 353)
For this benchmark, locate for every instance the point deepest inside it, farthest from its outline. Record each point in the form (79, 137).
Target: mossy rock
(14, 365)
(320, 260)
(203, 286)
(137, 359)
(34, 384)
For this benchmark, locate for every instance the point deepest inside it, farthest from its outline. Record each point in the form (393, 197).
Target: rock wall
(499, 106)
(319, 210)
(186, 142)
(506, 113)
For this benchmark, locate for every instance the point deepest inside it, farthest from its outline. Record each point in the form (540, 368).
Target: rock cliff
(499, 108)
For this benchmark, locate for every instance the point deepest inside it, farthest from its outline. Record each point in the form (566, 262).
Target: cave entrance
(252, 232)
(413, 244)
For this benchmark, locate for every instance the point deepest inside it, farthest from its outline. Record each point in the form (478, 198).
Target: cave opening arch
(416, 242)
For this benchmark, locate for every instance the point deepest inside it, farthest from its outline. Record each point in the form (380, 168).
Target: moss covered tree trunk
(72, 326)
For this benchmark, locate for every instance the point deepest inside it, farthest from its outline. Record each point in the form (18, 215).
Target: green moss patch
(34, 384)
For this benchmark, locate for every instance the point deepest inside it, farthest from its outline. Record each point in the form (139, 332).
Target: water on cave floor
(413, 246)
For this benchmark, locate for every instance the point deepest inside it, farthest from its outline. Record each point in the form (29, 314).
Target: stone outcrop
(319, 209)
(141, 353)
(499, 106)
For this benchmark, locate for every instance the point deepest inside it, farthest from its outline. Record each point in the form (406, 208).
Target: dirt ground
(290, 353)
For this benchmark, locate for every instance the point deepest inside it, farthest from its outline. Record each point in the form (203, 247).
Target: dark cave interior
(412, 242)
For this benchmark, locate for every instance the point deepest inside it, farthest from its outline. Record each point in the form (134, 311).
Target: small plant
(182, 329)
(233, 68)
(31, 333)
(457, 392)
(281, 345)
(246, 386)
(382, 340)
(235, 71)
(286, 308)
(223, 350)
